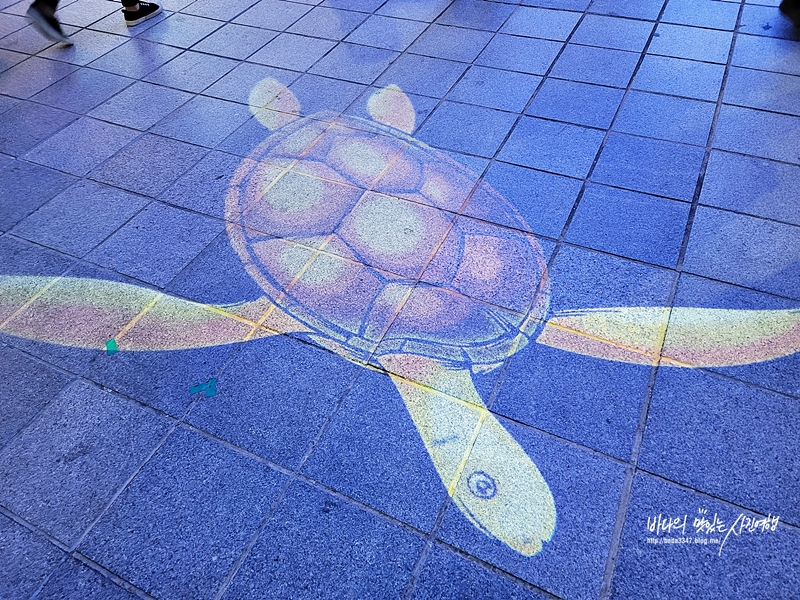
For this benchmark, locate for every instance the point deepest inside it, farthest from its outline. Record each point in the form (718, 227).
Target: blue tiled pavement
(246, 450)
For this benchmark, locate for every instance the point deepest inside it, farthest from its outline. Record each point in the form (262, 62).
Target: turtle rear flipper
(85, 313)
(489, 476)
(678, 336)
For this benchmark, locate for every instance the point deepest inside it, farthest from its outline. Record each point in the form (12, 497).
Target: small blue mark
(209, 387)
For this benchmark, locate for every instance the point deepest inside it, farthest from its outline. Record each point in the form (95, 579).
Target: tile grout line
(631, 471)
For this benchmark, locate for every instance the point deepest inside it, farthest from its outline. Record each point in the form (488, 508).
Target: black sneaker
(49, 27)
(147, 10)
(791, 8)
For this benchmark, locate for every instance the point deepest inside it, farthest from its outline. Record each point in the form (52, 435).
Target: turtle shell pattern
(379, 243)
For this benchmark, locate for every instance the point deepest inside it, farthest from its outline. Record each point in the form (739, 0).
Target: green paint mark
(111, 347)
(209, 387)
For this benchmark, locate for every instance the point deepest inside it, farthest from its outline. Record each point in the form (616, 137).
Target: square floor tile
(780, 374)
(80, 218)
(422, 75)
(758, 564)
(702, 13)
(85, 12)
(279, 415)
(759, 133)
(476, 14)
(521, 54)
(235, 41)
(419, 10)
(544, 200)
(27, 124)
(181, 30)
(180, 525)
(203, 188)
(579, 103)
(541, 23)
(372, 452)
(295, 52)
(87, 45)
(451, 43)
(766, 21)
(191, 71)
(94, 140)
(759, 89)
(644, 9)
(493, 88)
(753, 186)
(583, 279)
(328, 23)
(767, 262)
(603, 66)
(679, 77)
(465, 128)
(447, 575)
(237, 85)
(366, 6)
(20, 257)
(203, 121)
(62, 472)
(556, 147)
(24, 187)
(217, 10)
(422, 105)
(115, 23)
(351, 552)
(27, 386)
(666, 118)
(613, 32)
(141, 105)
(276, 14)
(156, 244)
(136, 58)
(149, 165)
(82, 90)
(324, 95)
(33, 75)
(767, 54)
(651, 166)
(352, 62)
(30, 559)
(12, 23)
(217, 276)
(694, 43)
(7, 60)
(386, 32)
(630, 224)
(73, 580)
(733, 463)
(586, 488)
(26, 40)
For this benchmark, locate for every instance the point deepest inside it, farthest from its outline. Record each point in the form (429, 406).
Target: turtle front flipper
(486, 472)
(678, 336)
(85, 313)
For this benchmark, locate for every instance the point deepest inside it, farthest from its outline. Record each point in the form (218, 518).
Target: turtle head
(274, 105)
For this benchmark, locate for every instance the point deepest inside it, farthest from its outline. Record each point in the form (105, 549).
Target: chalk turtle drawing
(369, 243)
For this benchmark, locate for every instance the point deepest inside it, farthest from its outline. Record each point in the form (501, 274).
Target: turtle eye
(273, 104)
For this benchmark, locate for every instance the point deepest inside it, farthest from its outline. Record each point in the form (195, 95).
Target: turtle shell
(381, 244)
